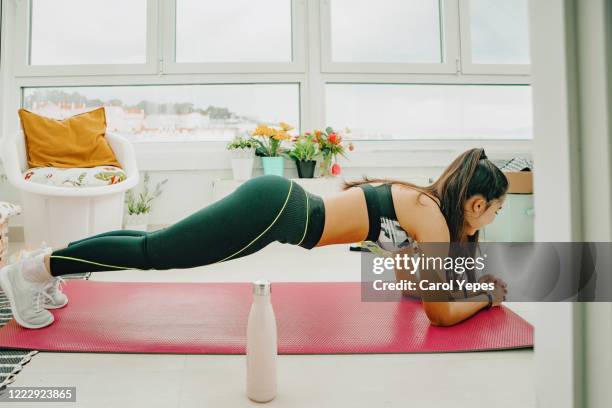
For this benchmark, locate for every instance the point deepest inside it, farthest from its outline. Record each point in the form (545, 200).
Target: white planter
(137, 221)
(242, 163)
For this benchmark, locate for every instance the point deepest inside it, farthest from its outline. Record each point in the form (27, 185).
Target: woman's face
(478, 213)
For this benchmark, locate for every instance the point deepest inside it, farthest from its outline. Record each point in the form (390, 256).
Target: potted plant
(304, 152)
(330, 145)
(139, 207)
(268, 142)
(242, 153)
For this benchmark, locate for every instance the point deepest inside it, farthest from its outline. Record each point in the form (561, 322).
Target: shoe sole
(6, 285)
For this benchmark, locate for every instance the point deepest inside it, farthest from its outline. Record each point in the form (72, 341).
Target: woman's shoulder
(419, 214)
(412, 195)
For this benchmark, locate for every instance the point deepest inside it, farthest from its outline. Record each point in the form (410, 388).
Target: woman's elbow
(438, 313)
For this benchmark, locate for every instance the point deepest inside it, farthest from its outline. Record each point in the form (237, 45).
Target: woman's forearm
(449, 313)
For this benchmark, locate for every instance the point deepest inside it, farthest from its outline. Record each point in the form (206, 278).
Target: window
(392, 31)
(192, 70)
(67, 32)
(426, 112)
(233, 31)
(499, 31)
(174, 112)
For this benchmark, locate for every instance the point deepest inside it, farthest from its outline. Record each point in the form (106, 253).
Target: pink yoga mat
(210, 318)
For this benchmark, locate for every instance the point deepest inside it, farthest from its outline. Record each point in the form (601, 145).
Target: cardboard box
(519, 182)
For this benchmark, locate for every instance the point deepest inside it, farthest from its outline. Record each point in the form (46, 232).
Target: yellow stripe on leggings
(264, 231)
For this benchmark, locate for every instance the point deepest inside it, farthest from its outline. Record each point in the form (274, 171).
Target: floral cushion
(75, 176)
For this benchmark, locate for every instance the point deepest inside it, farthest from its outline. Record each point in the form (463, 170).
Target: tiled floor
(481, 379)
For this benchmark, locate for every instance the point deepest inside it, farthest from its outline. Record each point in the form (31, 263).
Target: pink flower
(335, 169)
(351, 147)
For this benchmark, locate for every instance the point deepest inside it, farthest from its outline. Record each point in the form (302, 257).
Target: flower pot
(305, 168)
(242, 168)
(326, 165)
(274, 165)
(137, 221)
(242, 153)
(242, 163)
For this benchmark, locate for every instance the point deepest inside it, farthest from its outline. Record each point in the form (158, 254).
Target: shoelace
(55, 284)
(38, 299)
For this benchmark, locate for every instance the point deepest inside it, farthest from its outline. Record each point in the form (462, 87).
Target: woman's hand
(498, 294)
(500, 289)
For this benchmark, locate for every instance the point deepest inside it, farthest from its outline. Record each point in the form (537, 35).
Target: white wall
(571, 45)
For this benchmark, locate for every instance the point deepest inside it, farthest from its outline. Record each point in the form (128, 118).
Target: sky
(88, 32)
(432, 111)
(248, 30)
(385, 31)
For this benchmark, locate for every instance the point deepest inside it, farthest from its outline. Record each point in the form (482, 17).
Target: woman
(265, 209)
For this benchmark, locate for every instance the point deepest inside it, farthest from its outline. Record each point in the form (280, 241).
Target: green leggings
(262, 210)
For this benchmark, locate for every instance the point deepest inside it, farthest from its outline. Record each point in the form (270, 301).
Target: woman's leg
(263, 210)
(115, 233)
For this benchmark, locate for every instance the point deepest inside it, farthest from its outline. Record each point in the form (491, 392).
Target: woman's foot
(54, 298)
(26, 297)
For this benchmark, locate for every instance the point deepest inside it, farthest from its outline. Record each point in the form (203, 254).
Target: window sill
(169, 156)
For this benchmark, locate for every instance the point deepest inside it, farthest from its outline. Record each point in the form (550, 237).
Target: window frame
(298, 45)
(484, 81)
(21, 51)
(312, 77)
(467, 66)
(449, 30)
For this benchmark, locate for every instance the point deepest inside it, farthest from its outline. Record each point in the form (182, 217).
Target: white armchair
(59, 214)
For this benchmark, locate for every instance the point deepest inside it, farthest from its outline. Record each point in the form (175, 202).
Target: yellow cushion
(77, 141)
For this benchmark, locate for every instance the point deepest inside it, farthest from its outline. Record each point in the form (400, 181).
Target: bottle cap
(262, 287)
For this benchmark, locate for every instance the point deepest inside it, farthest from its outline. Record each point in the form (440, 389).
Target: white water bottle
(261, 348)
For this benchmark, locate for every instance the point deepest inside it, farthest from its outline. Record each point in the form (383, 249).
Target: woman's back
(346, 213)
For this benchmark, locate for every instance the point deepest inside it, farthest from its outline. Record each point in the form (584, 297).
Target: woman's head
(471, 190)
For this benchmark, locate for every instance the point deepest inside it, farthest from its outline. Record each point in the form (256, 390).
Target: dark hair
(469, 174)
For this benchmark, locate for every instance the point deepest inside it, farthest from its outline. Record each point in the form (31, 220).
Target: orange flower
(281, 135)
(260, 130)
(333, 138)
(285, 126)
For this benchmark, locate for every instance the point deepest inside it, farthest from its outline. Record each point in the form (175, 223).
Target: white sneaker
(26, 298)
(54, 298)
